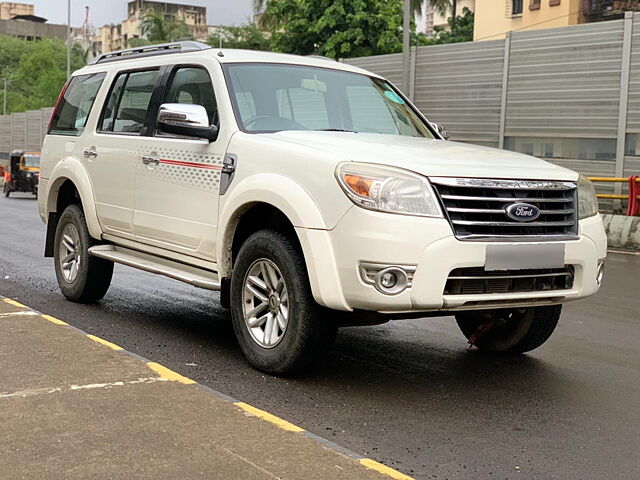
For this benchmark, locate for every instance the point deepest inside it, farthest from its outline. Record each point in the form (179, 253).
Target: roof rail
(150, 51)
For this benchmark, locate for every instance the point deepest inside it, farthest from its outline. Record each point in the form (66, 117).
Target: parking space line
(380, 468)
(279, 422)
(164, 372)
(112, 346)
(14, 303)
(54, 320)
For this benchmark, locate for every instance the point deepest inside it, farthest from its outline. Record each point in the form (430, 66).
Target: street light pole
(406, 46)
(68, 39)
(4, 98)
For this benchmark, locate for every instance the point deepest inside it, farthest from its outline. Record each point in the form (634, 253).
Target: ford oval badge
(522, 212)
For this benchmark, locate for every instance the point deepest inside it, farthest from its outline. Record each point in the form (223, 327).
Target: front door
(178, 179)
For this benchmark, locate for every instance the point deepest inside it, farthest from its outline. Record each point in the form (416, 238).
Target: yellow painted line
(14, 303)
(380, 468)
(54, 320)
(283, 424)
(112, 346)
(167, 374)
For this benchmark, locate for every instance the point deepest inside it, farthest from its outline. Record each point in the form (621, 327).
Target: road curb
(169, 375)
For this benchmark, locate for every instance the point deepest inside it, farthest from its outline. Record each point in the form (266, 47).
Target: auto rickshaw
(22, 174)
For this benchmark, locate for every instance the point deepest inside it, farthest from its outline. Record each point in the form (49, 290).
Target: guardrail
(633, 197)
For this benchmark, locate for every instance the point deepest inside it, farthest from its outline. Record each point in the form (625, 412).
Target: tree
(348, 28)
(157, 28)
(460, 30)
(247, 37)
(37, 71)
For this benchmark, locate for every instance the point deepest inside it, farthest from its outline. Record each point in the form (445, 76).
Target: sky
(219, 12)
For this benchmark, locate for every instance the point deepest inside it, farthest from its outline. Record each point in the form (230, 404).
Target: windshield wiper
(333, 130)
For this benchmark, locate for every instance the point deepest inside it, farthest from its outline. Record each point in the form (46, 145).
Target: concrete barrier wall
(622, 232)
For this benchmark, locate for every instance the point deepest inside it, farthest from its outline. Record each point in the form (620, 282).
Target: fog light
(392, 280)
(388, 280)
(600, 272)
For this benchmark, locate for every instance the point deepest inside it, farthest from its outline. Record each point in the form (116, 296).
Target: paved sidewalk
(75, 406)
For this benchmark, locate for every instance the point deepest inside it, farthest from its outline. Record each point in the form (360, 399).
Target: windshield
(272, 97)
(31, 161)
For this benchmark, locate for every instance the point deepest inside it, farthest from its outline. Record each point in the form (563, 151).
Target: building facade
(495, 18)
(119, 36)
(8, 10)
(19, 20)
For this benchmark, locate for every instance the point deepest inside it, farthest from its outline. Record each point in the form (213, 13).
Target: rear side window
(70, 117)
(126, 109)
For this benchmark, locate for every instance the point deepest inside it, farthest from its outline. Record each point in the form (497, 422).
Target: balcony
(598, 10)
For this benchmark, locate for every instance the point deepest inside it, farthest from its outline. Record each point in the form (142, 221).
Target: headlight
(388, 189)
(587, 200)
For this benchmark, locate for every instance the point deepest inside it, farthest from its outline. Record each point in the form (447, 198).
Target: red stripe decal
(190, 164)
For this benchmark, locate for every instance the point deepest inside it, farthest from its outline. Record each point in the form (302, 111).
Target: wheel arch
(68, 184)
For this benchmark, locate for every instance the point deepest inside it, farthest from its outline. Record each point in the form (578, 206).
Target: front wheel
(280, 328)
(81, 277)
(509, 331)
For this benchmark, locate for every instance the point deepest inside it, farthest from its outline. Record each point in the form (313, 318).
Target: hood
(436, 158)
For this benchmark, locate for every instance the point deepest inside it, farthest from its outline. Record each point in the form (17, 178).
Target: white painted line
(71, 388)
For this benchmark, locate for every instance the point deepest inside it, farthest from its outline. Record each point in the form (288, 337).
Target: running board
(149, 263)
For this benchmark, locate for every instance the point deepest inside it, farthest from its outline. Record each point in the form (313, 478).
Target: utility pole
(68, 39)
(406, 46)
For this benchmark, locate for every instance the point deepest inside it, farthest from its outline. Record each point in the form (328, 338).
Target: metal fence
(570, 95)
(23, 131)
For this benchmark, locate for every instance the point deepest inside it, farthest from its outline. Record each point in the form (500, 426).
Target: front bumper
(363, 236)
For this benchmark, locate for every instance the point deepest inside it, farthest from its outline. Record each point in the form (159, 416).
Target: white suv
(313, 195)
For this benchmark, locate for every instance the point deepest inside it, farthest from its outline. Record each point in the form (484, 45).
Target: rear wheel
(81, 277)
(509, 331)
(280, 328)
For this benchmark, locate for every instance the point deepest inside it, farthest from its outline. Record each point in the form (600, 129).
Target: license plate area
(523, 257)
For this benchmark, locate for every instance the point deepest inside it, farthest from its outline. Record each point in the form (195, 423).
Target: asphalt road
(407, 393)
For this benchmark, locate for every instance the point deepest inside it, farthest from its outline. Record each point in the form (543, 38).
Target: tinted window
(126, 110)
(75, 105)
(109, 116)
(192, 85)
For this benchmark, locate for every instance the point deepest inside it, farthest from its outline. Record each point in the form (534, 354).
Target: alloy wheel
(265, 303)
(70, 253)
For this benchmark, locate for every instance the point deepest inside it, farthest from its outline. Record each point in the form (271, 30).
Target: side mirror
(441, 130)
(186, 120)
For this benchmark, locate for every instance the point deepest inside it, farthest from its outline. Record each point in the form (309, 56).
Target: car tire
(270, 271)
(509, 331)
(81, 277)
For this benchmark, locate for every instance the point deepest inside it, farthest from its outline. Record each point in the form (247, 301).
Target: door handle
(90, 153)
(148, 160)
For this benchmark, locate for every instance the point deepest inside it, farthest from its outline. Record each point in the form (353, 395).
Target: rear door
(113, 153)
(176, 195)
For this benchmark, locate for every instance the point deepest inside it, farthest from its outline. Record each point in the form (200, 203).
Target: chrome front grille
(477, 281)
(477, 208)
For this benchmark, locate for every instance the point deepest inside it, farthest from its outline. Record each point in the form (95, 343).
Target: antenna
(220, 54)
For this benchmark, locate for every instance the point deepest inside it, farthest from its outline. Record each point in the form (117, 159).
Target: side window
(70, 117)
(109, 115)
(192, 85)
(126, 109)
